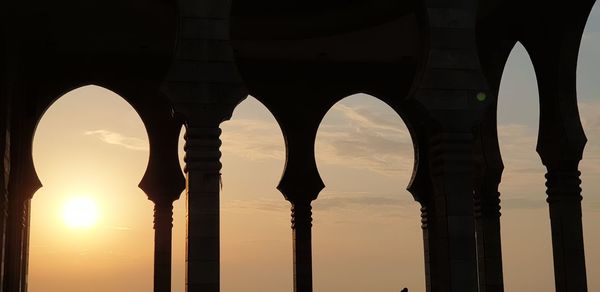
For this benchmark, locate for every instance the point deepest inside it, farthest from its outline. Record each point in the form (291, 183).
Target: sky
(366, 229)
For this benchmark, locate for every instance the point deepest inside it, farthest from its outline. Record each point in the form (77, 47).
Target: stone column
(6, 86)
(421, 188)
(23, 183)
(3, 225)
(449, 214)
(487, 206)
(163, 181)
(4, 178)
(17, 246)
(14, 246)
(25, 235)
(203, 223)
(204, 87)
(163, 230)
(561, 142)
(302, 240)
(300, 184)
(299, 118)
(450, 97)
(564, 199)
(488, 236)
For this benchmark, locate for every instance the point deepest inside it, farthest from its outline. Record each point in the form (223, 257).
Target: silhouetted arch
(118, 223)
(523, 200)
(364, 142)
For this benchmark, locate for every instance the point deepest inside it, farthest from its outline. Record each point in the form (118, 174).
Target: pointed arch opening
(366, 225)
(526, 239)
(90, 151)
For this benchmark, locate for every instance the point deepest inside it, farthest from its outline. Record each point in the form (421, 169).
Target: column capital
(163, 180)
(300, 182)
(203, 82)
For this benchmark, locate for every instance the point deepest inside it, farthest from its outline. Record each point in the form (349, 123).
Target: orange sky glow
(366, 229)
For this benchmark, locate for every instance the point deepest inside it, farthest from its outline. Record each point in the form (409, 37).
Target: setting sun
(80, 212)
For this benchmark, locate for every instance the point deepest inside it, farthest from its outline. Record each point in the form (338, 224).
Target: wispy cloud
(260, 204)
(332, 201)
(253, 139)
(369, 138)
(118, 228)
(376, 120)
(362, 137)
(517, 145)
(114, 138)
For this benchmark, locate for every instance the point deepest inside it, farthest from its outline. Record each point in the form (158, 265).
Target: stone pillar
(163, 181)
(564, 199)
(25, 235)
(449, 214)
(450, 97)
(561, 139)
(421, 188)
(204, 87)
(203, 228)
(488, 236)
(302, 238)
(3, 221)
(427, 234)
(300, 184)
(487, 204)
(6, 83)
(14, 246)
(163, 230)
(17, 246)
(22, 185)
(4, 178)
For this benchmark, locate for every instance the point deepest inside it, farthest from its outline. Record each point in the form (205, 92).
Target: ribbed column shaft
(25, 235)
(203, 185)
(425, 225)
(302, 238)
(489, 244)
(564, 199)
(554, 50)
(4, 176)
(3, 231)
(163, 229)
(14, 246)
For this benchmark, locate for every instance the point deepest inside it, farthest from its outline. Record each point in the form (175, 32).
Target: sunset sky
(366, 231)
